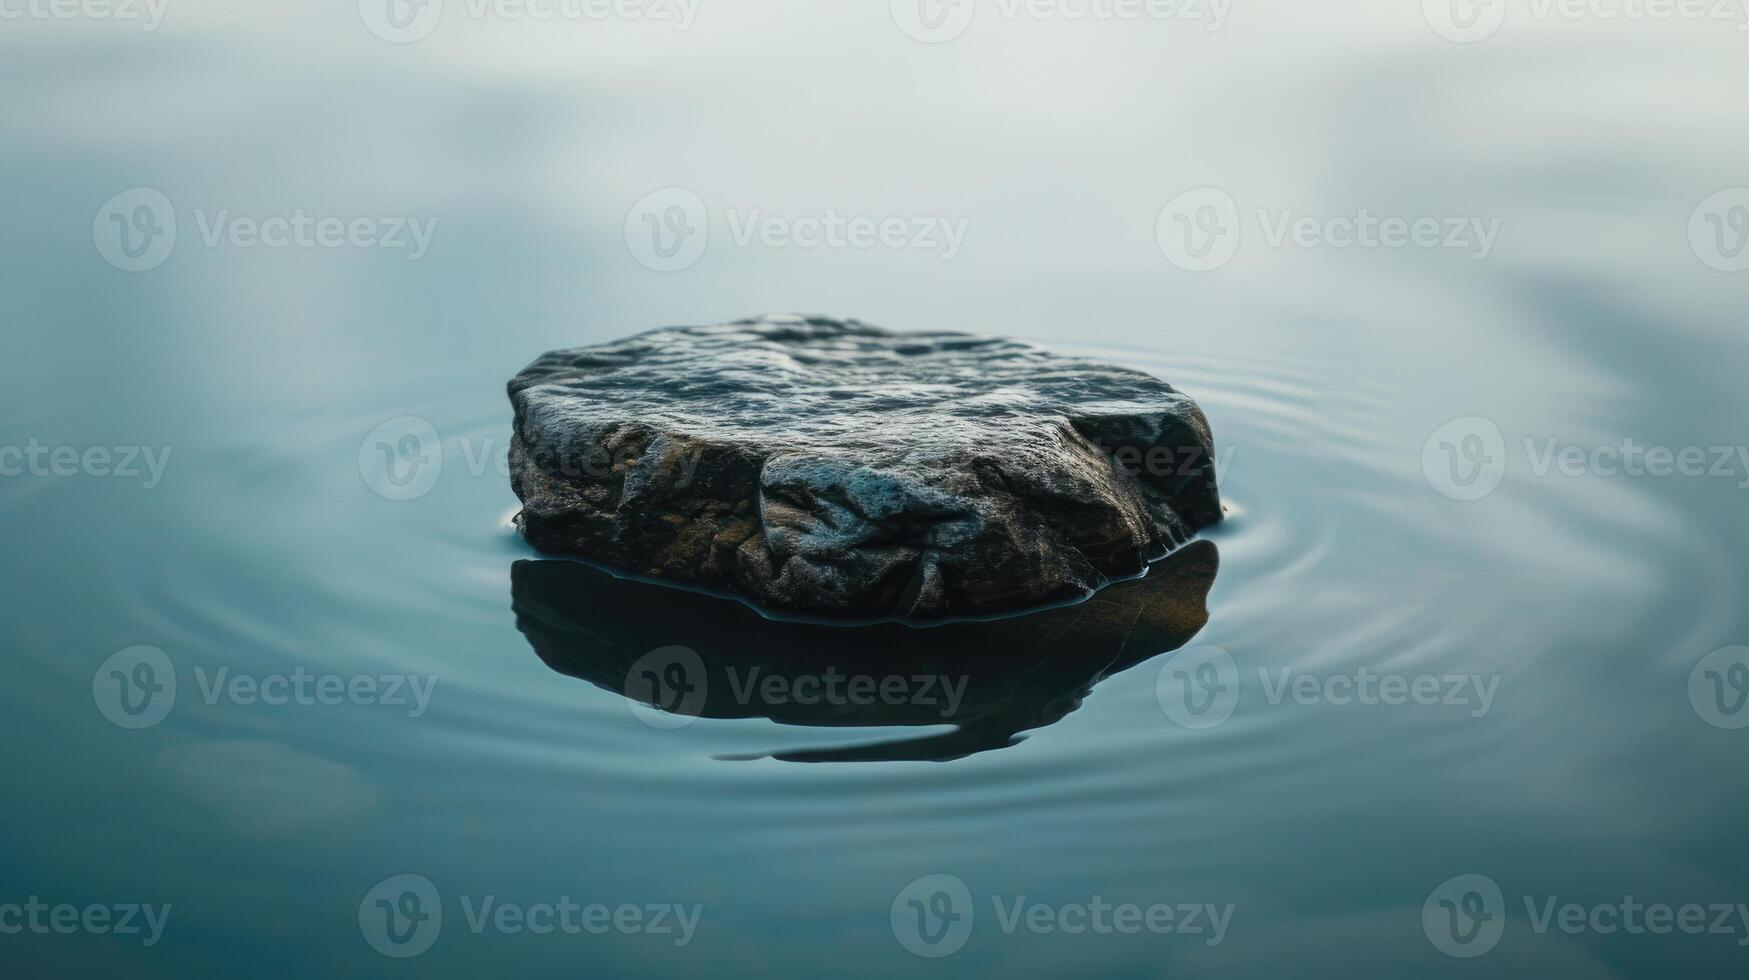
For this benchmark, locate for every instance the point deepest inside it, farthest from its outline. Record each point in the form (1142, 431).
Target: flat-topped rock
(829, 468)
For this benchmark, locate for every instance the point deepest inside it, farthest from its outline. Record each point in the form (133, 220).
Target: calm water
(1587, 754)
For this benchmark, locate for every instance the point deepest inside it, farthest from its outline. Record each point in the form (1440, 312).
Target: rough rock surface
(829, 468)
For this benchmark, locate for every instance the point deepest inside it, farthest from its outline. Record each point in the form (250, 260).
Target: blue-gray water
(1601, 764)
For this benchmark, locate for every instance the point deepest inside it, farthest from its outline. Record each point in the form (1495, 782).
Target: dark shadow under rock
(834, 469)
(693, 655)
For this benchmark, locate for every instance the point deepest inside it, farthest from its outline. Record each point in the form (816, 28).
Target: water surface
(1584, 603)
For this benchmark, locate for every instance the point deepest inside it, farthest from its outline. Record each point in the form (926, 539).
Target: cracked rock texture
(829, 468)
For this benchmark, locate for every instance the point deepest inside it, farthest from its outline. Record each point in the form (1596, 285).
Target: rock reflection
(685, 654)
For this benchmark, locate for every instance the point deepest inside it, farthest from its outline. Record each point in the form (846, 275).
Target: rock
(833, 469)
